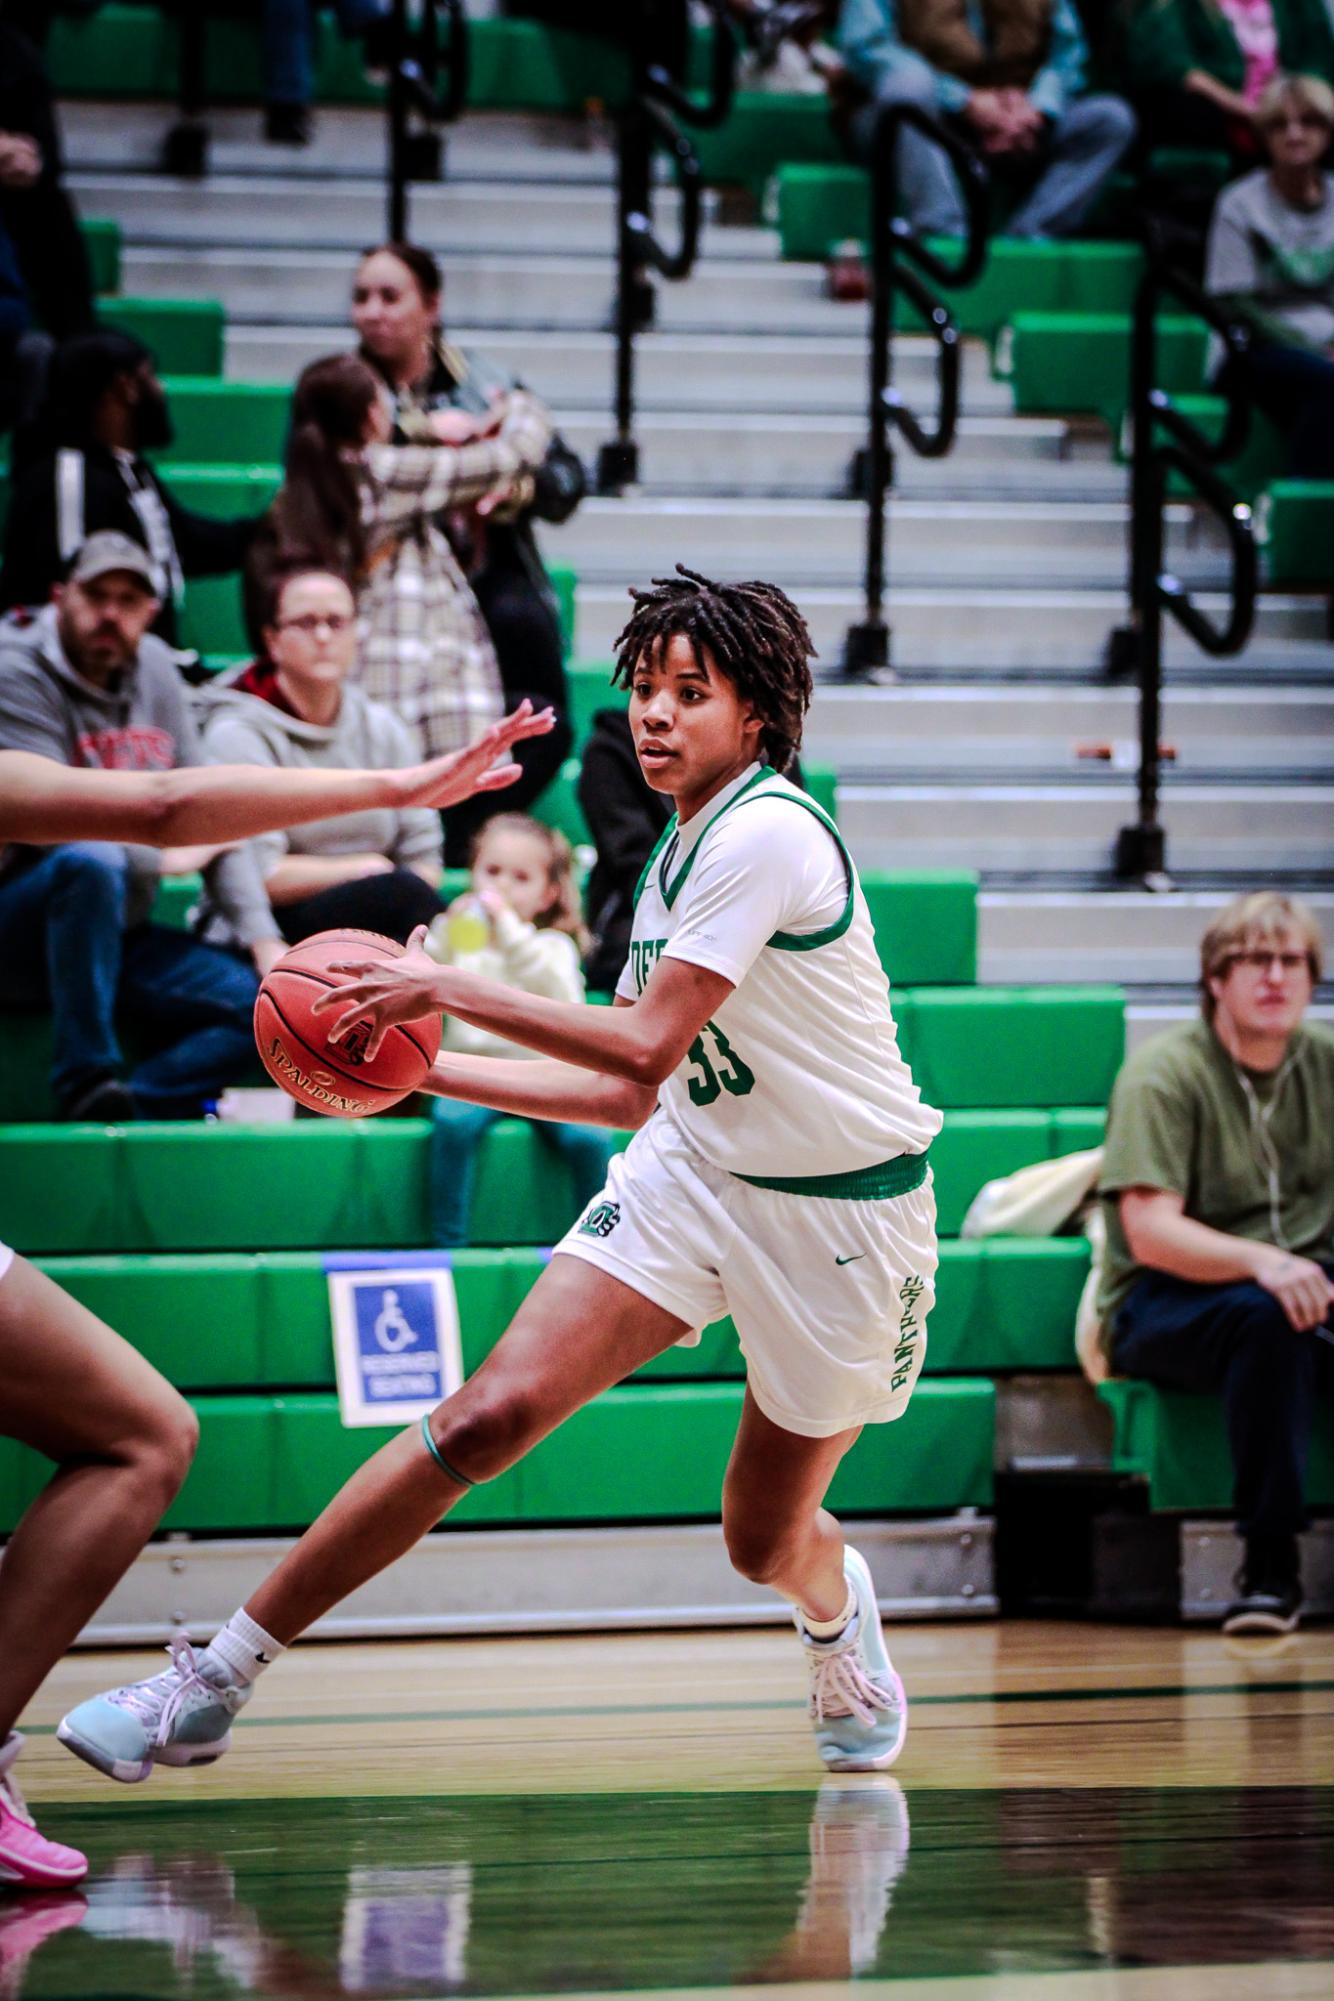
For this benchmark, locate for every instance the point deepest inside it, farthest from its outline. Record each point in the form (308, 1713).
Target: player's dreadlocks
(754, 634)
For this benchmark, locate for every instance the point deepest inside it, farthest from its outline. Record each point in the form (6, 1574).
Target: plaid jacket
(424, 647)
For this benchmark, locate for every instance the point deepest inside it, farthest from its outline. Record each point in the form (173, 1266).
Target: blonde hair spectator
(1310, 94)
(1262, 917)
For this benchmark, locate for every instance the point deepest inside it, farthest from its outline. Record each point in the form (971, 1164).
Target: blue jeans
(289, 66)
(1082, 149)
(1296, 389)
(63, 944)
(457, 1130)
(1235, 1341)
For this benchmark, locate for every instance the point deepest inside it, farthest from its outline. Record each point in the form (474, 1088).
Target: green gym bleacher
(205, 1245)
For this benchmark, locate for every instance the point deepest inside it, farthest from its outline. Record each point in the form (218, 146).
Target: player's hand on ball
(383, 992)
(449, 780)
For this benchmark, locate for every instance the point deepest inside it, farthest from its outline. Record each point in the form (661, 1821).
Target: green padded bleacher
(969, 1047)
(1177, 1444)
(764, 129)
(1013, 1046)
(267, 1464)
(319, 1184)
(822, 206)
(977, 1146)
(102, 242)
(130, 51)
(1295, 525)
(1059, 363)
(227, 424)
(925, 925)
(1261, 457)
(1001, 1304)
(186, 335)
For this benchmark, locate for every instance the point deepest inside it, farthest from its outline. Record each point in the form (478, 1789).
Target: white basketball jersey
(798, 1075)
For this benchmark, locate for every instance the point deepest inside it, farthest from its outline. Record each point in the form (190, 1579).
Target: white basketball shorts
(829, 1296)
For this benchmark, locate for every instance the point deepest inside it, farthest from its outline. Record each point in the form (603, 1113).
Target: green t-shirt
(1180, 1120)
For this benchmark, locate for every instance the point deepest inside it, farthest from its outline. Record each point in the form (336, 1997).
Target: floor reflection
(514, 1895)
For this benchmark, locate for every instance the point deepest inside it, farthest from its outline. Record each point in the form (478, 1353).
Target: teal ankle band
(450, 1472)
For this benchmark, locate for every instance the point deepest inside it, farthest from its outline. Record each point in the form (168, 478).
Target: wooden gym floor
(1096, 1813)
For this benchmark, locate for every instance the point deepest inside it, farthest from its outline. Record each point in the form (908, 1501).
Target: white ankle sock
(829, 1629)
(245, 1648)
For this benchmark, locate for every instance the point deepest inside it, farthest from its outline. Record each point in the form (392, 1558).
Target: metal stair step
(1022, 629)
(965, 543)
(348, 142)
(453, 217)
(1130, 937)
(1250, 829)
(674, 372)
(257, 286)
(918, 728)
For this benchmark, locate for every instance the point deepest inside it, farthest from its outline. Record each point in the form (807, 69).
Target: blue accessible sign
(396, 1338)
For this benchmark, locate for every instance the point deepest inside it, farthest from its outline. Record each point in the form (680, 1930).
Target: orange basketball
(335, 1077)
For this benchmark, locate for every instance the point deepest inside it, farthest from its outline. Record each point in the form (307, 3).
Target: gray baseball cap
(109, 550)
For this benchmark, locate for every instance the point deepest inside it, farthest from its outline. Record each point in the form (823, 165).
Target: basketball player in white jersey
(120, 1436)
(778, 1173)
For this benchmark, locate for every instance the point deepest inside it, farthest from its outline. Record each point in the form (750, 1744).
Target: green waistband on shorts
(865, 1184)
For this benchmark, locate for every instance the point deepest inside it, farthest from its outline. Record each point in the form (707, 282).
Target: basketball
(335, 1077)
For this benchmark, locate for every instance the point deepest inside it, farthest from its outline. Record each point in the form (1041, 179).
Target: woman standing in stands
(372, 871)
(1197, 69)
(396, 299)
(370, 510)
(121, 1437)
(1271, 263)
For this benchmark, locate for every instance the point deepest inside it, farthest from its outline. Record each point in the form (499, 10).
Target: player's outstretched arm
(538, 1089)
(42, 801)
(642, 1042)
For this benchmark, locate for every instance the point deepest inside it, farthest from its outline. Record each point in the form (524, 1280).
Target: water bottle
(467, 928)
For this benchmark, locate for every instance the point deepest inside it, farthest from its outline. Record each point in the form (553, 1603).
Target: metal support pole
(398, 125)
(185, 144)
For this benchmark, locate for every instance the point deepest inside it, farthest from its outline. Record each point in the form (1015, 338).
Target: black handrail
(1141, 849)
(417, 89)
(648, 121)
(895, 249)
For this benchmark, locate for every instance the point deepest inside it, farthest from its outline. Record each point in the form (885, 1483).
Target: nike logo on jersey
(852, 1260)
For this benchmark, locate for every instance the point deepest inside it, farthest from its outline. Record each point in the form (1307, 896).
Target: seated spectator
(369, 510)
(625, 817)
(1198, 69)
(1271, 262)
(84, 683)
(292, 708)
(1218, 1187)
(86, 471)
(519, 923)
(1010, 77)
(396, 311)
(35, 209)
(289, 69)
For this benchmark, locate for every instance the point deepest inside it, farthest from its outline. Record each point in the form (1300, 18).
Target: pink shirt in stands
(1252, 22)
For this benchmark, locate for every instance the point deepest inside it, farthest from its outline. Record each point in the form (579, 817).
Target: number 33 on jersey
(799, 1073)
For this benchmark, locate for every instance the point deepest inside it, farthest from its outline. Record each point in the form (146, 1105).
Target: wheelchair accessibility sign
(396, 1339)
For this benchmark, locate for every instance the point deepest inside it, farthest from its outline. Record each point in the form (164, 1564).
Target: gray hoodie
(242, 728)
(141, 723)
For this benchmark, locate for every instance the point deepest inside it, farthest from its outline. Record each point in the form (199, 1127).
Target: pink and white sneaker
(27, 1858)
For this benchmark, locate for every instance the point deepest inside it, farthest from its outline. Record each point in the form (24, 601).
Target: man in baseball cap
(86, 683)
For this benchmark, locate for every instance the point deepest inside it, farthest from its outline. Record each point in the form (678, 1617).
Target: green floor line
(1145, 1694)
